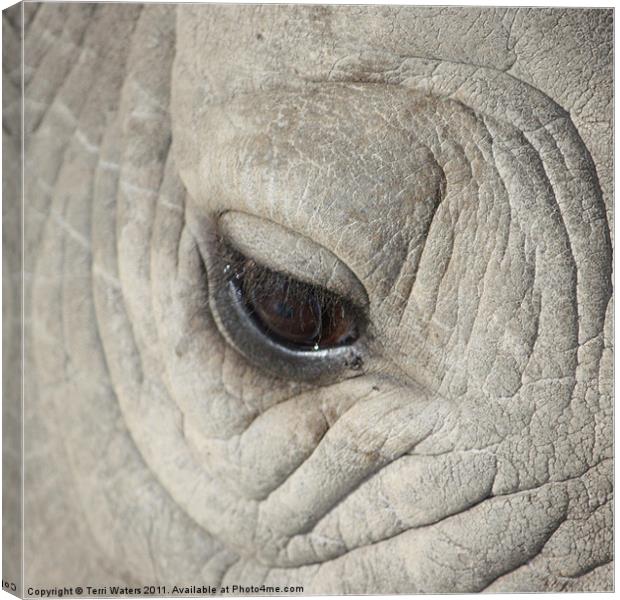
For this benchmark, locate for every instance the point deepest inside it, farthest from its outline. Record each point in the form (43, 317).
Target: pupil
(285, 310)
(291, 315)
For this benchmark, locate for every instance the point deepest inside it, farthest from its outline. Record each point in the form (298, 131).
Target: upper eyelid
(283, 251)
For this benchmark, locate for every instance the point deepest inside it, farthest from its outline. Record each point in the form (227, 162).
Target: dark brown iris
(295, 312)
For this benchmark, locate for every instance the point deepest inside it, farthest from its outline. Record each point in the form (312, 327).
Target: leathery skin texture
(448, 168)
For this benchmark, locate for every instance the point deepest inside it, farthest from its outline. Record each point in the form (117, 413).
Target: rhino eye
(288, 327)
(295, 313)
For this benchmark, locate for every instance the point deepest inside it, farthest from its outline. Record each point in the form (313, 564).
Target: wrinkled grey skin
(450, 166)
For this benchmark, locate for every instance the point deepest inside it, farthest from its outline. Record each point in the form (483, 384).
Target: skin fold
(446, 169)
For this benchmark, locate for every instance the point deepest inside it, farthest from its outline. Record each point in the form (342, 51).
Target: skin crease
(451, 166)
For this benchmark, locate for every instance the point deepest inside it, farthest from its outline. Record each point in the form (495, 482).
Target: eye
(294, 312)
(291, 328)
